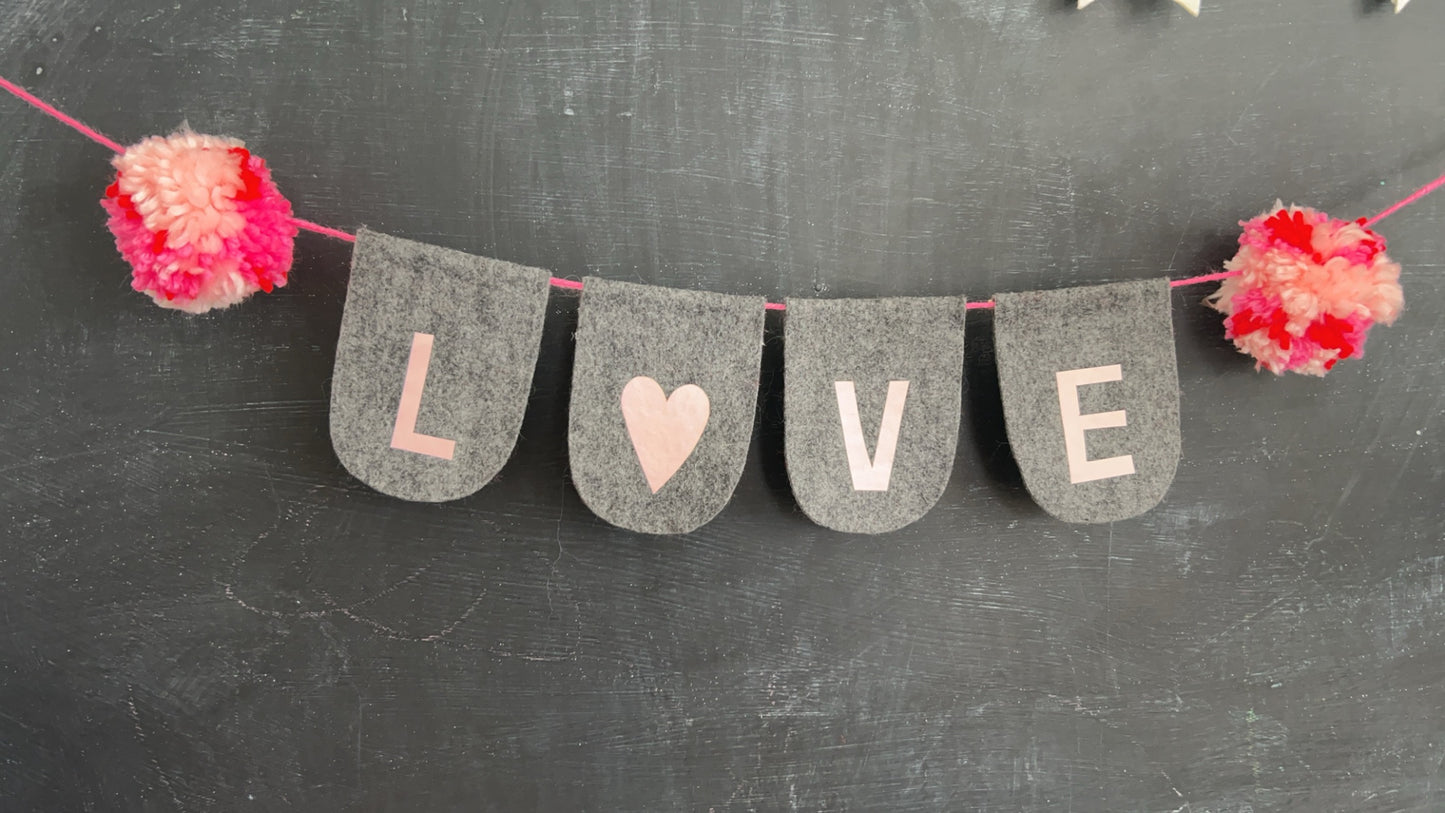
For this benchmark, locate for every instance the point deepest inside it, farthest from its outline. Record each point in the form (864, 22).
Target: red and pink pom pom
(199, 220)
(1308, 289)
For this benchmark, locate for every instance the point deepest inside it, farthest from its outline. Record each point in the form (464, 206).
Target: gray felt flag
(1091, 396)
(664, 391)
(433, 366)
(871, 398)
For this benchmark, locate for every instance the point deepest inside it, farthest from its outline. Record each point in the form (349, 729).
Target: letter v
(870, 475)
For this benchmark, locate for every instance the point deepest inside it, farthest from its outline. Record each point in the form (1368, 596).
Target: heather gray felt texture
(1039, 333)
(871, 342)
(675, 337)
(486, 316)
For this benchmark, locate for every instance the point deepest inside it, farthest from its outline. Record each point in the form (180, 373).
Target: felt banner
(664, 395)
(872, 390)
(1091, 396)
(433, 366)
(437, 350)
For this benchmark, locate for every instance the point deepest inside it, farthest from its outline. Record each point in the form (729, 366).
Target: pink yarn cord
(45, 107)
(557, 282)
(320, 229)
(1414, 196)
(1180, 283)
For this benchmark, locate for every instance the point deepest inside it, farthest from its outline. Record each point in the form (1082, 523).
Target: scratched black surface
(202, 611)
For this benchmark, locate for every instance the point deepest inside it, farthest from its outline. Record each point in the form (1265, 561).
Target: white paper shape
(1192, 6)
(1400, 5)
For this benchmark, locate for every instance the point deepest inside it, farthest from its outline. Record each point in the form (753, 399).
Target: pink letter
(1081, 468)
(870, 475)
(404, 435)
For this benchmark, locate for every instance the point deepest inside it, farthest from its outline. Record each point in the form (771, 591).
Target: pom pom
(1308, 289)
(199, 220)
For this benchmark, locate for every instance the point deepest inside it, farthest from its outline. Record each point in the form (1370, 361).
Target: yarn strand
(338, 234)
(558, 282)
(55, 113)
(1406, 201)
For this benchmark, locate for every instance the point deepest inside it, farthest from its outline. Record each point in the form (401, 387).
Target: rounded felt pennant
(664, 393)
(871, 404)
(1090, 392)
(433, 366)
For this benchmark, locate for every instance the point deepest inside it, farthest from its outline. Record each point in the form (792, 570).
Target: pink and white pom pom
(199, 220)
(1308, 289)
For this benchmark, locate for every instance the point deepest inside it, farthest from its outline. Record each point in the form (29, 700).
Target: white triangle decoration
(1192, 6)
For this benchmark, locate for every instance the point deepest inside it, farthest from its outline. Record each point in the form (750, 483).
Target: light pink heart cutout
(664, 429)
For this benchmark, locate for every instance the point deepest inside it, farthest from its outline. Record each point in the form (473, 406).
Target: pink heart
(664, 429)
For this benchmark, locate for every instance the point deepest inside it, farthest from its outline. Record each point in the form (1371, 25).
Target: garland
(203, 226)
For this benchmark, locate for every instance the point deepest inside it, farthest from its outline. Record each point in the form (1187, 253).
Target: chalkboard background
(202, 610)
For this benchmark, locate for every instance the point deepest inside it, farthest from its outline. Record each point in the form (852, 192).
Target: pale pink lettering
(870, 474)
(404, 435)
(1081, 468)
(664, 428)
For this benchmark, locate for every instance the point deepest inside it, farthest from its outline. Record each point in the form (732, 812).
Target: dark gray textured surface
(486, 319)
(674, 337)
(1041, 333)
(202, 610)
(871, 342)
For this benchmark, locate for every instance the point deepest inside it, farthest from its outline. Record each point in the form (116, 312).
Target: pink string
(45, 107)
(1180, 283)
(320, 229)
(557, 282)
(1414, 196)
